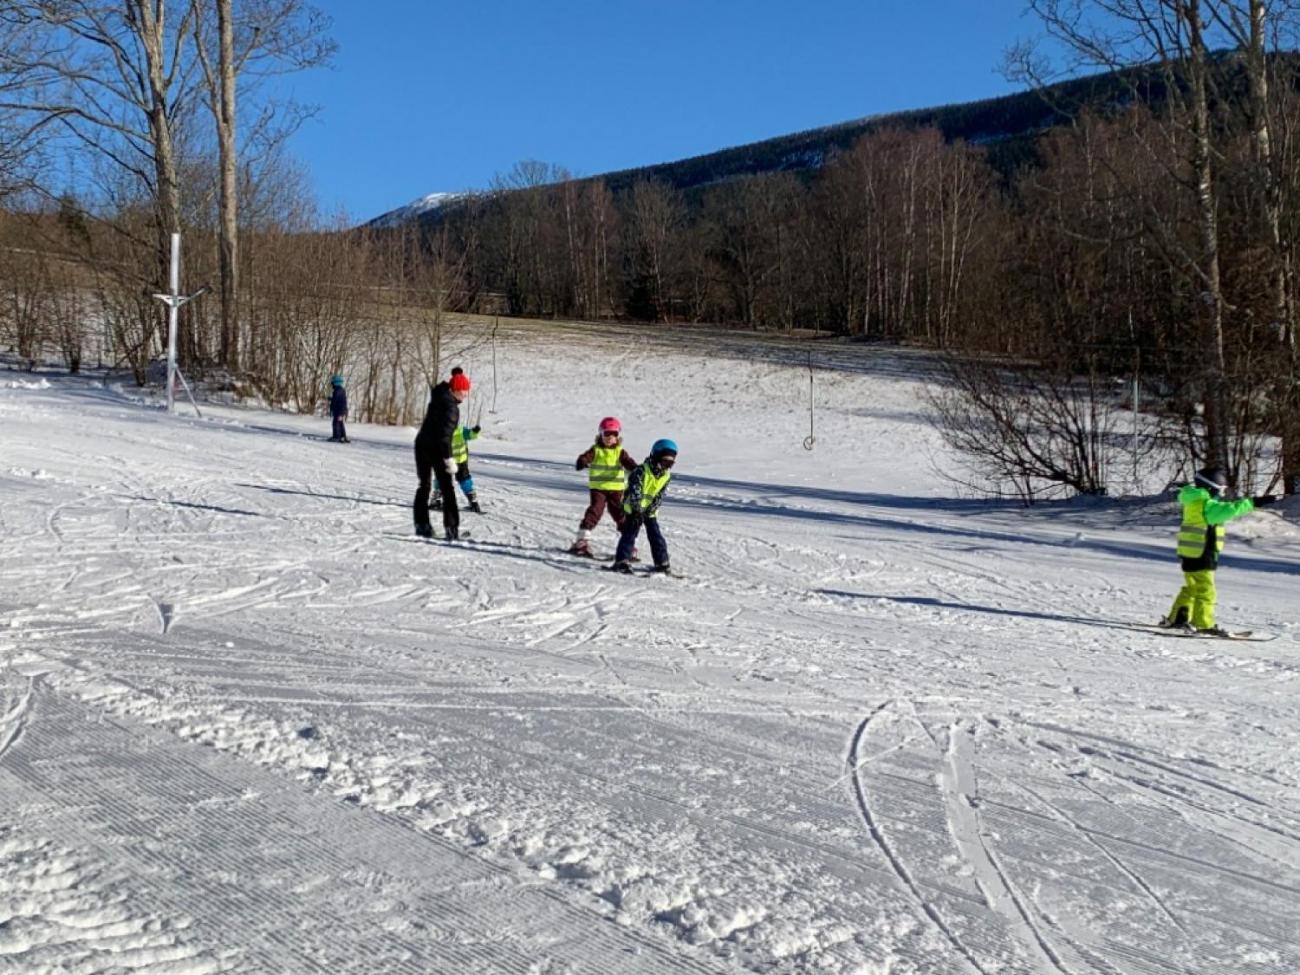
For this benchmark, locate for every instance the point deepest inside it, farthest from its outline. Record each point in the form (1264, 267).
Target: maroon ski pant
(599, 501)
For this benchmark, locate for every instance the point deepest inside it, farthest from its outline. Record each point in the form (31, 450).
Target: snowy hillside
(249, 723)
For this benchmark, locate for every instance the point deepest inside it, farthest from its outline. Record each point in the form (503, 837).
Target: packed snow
(250, 723)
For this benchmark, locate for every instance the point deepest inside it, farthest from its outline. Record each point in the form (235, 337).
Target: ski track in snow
(1048, 790)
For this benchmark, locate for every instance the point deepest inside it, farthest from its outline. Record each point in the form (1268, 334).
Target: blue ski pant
(627, 539)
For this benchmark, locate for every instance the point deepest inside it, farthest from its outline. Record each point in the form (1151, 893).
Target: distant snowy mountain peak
(415, 208)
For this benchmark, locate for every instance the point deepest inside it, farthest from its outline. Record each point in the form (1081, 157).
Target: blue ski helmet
(336, 381)
(662, 447)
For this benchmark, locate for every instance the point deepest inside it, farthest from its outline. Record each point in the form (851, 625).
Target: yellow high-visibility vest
(459, 446)
(652, 485)
(606, 473)
(1194, 532)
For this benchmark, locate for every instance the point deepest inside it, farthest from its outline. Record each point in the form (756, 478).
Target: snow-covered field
(249, 724)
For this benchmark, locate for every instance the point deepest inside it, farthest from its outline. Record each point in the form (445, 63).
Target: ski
(432, 540)
(641, 570)
(593, 557)
(1247, 635)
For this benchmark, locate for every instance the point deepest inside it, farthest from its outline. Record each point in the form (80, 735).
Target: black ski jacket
(440, 421)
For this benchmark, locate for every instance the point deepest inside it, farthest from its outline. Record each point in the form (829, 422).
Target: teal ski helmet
(663, 447)
(336, 381)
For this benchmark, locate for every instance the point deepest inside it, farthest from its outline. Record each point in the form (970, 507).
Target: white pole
(1137, 378)
(173, 309)
(1136, 479)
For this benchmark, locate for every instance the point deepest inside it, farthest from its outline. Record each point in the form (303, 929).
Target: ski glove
(451, 465)
(476, 428)
(1264, 500)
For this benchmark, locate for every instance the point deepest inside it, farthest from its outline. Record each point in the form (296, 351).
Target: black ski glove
(1264, 500)
(476, 428)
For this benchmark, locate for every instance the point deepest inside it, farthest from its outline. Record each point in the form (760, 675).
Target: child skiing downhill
(460, 454)
(607, 464)
(338, 410)
(645, 492)
(1200, 540)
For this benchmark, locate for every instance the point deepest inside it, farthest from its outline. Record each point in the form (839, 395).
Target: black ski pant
(462, 475)
(427, 467)
(340, 431)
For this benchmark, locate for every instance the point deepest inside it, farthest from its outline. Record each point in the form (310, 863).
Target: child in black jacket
(339, 410)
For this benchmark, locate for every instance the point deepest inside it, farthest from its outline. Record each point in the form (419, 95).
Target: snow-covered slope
(249, 724)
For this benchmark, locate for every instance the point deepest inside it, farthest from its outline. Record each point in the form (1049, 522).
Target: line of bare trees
(1146, 248)
(1150, 240)
(114, 90)
(124, 121)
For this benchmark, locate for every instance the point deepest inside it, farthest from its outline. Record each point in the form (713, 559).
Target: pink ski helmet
(611, 425)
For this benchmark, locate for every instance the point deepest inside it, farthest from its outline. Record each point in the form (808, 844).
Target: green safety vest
(606, 473)
(459, 447)
(652, 485)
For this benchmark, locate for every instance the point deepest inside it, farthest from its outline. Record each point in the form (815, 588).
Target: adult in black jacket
(433, 455)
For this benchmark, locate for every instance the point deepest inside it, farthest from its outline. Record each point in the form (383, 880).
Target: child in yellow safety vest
(607, 464)
(645, 492)
(460, 439)
(1200, 540)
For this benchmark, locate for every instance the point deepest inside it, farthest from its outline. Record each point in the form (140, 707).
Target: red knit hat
(459, 383)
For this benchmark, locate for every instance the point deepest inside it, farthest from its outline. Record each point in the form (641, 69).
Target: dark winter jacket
(440, 422)
(338, 402)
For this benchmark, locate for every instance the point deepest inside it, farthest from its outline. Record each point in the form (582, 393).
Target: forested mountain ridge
(1005, 125)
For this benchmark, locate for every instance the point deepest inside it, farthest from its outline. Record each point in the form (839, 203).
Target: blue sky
(431, 95)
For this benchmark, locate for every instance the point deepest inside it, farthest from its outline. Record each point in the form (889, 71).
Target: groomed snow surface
(248, 723)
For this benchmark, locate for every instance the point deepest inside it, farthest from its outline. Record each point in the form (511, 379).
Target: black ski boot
(474, 506)
(624, 567)
(1178, 622)
(424, 531)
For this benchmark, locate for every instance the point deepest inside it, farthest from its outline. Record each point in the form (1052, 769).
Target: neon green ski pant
(1196, 599)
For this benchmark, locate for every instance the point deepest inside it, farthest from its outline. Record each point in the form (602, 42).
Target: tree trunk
(1215, 375)
(168, 203)
(228, 245)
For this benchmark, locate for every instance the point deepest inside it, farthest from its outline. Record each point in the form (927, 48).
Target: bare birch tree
(1174, 36)
(20, 137)
(116, 76)
(266, 37)
(655, 218)
(1251, 24)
